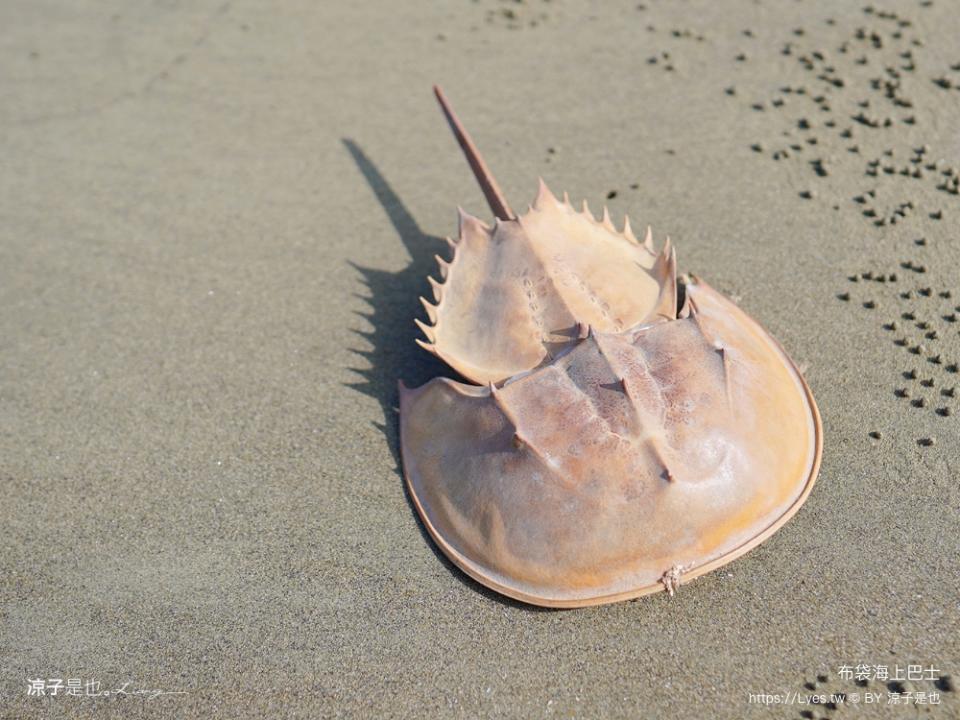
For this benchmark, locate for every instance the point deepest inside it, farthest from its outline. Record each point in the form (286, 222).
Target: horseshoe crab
(615, 444)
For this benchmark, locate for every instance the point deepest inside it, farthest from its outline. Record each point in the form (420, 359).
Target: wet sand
(216, 222)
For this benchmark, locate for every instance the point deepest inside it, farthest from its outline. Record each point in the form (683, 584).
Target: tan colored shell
(629, 463)
(514, 295)
(629, 447)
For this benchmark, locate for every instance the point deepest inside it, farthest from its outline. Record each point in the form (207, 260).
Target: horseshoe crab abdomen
(513, 294)
(679, 444)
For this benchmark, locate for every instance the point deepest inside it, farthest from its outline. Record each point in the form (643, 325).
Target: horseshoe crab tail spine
(496, 200)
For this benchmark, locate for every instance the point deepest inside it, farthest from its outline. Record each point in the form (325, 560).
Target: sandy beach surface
(215, 221)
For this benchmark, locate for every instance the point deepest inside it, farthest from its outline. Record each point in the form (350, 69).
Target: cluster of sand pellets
(853, 137)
